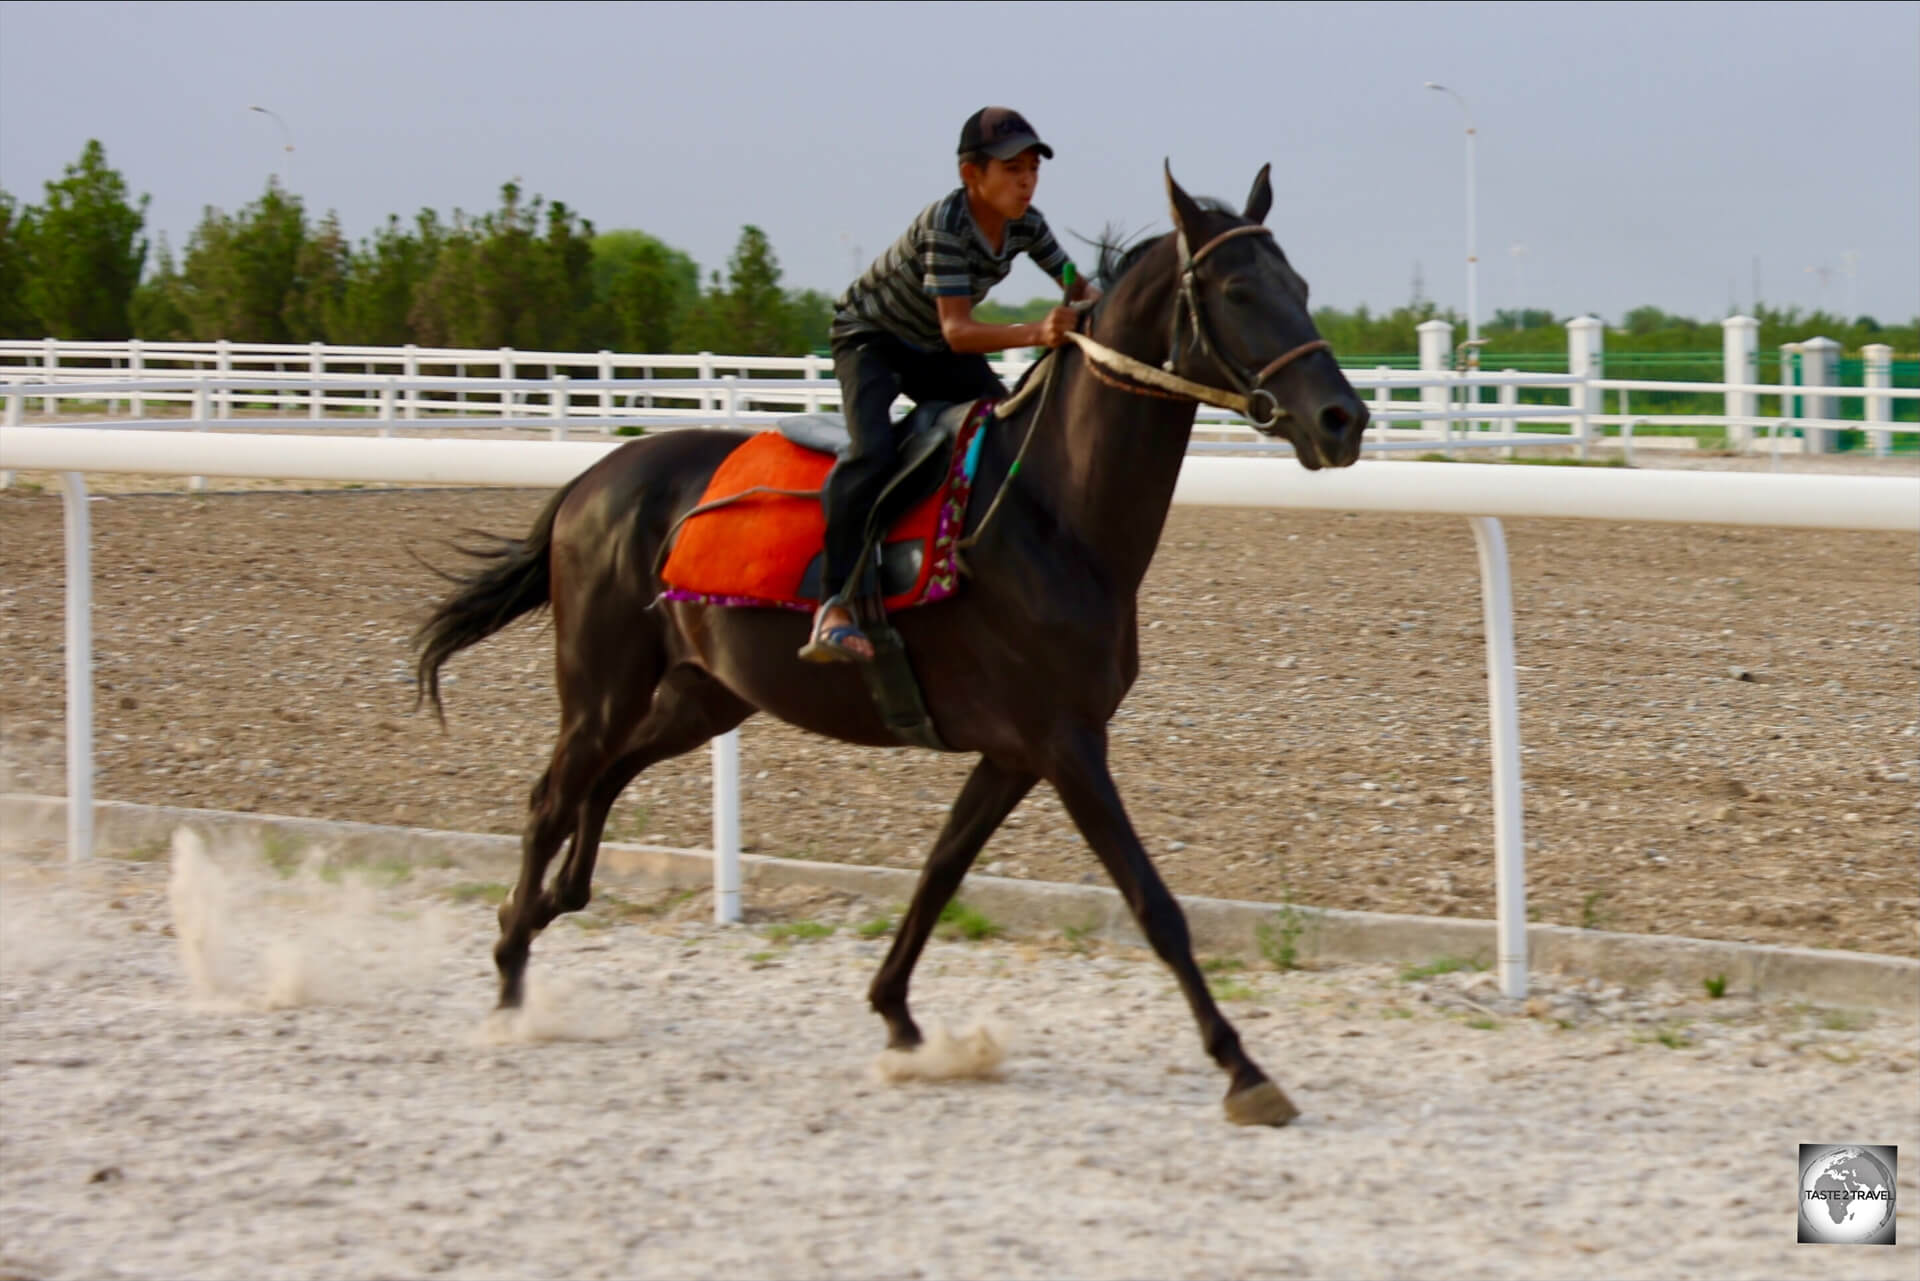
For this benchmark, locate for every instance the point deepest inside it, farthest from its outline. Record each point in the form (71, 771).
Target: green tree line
(534, 274)
(530, 274)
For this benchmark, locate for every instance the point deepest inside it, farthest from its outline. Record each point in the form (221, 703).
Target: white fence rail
(1484, 494)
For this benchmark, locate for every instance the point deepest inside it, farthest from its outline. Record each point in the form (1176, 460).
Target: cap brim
(1008, 148)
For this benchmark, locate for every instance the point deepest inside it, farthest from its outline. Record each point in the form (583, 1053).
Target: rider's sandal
(829, 644)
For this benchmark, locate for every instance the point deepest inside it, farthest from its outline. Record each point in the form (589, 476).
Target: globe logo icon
(1846, 1197)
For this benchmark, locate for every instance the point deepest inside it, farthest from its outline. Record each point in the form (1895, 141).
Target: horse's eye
(1240, 295)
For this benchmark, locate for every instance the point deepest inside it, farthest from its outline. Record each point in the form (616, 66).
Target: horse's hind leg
(596, 726)
(578, 759)
(991, 793)
(689, 709)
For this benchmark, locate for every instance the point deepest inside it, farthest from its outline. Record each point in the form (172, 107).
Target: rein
(1154, 380)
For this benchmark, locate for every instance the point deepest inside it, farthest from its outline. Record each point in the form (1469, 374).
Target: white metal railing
(1483, 494)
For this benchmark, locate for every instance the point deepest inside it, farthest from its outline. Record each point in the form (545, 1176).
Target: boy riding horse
(906, 326)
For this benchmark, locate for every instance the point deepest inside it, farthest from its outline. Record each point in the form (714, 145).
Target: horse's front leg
(1086, 788)
(990, 794)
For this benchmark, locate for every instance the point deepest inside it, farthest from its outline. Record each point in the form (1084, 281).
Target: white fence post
(509, 369)
(223, 368)
(726, 827)
(1879, 409)
(14, 406)
(50, 362)
(558, 402)
(1510, 399)
(202, 411)
(410, 365)
(1740, 363)
(732, 395)
(136, 367)
(389, 393)
(1436, 356)
(1509, 825)
(812, 374)
(1819, 367)
(1586, 344)
(606, 393)
(1013, 363)
(709, 401)
(316, 369)
(79, 522)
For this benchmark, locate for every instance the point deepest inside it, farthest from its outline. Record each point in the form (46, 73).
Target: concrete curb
(1033, 908)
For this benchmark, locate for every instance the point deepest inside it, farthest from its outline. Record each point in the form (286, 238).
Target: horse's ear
(1260, 199)
(1186, 214)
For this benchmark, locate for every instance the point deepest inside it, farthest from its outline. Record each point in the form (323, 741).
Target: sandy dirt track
(1719, 723)
(237, 1075)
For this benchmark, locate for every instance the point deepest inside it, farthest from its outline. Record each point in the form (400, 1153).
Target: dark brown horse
(1023, 668)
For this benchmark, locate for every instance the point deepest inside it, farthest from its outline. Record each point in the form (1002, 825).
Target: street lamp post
(286, 135)
(1473, 260)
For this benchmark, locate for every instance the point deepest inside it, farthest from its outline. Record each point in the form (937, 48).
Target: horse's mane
(1119, 253)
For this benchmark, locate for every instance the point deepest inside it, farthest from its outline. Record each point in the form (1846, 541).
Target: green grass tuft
(1231, 989)
(958, 920)
(807, 931)
(1438, 966)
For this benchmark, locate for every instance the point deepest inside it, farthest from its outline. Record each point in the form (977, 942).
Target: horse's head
(1240, 319)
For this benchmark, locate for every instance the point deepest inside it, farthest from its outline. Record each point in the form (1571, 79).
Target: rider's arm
(965, 334)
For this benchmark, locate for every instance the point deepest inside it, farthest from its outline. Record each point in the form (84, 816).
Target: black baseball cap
(1001, 132)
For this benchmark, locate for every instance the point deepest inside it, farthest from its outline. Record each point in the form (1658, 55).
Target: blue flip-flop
(829, 645)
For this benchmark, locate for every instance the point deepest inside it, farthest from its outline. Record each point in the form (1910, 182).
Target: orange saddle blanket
(757, 551)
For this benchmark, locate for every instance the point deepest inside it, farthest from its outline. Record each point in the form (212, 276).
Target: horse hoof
(1262, 1104)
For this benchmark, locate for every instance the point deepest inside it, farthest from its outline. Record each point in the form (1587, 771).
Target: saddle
(927, 436)
(756, 537)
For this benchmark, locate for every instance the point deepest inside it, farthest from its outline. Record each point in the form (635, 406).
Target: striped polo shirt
(942, 255)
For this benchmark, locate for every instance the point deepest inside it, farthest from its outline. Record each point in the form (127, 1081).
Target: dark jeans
(873, 369)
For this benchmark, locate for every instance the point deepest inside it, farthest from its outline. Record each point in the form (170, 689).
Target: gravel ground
(217, 1072)
(1719, 724)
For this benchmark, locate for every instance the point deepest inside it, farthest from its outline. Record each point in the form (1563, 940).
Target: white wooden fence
(1483, 494)
(409, 388)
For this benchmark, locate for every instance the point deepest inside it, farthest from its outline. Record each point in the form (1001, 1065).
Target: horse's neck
(1117, 454)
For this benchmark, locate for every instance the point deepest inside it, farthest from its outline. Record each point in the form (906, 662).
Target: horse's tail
(512, 579)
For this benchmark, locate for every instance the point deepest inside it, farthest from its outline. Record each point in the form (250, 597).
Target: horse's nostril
(1335, 419)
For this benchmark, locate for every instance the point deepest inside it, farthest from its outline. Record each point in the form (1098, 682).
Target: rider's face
(1005, 186)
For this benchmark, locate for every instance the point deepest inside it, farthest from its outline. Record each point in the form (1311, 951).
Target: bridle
(1250, 385)
(1251, 399)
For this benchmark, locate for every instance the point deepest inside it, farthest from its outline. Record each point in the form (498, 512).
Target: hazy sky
(1640, 153)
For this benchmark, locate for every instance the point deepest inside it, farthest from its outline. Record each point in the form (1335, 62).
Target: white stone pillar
(1820, 367)
(1586, 358)
(1436, 356)
(1740, 363)
(1879, 409)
